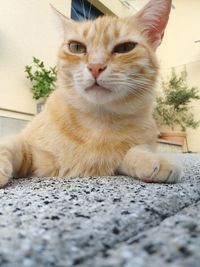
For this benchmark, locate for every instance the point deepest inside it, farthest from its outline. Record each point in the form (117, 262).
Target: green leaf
(42, 79)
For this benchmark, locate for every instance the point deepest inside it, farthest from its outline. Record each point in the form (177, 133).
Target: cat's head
(110, 58)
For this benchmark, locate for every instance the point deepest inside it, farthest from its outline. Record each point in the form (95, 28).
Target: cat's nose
(96, 69)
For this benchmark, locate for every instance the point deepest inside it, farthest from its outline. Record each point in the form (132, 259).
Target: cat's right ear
(64, 22)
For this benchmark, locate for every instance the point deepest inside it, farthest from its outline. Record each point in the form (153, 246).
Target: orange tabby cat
(99, 119)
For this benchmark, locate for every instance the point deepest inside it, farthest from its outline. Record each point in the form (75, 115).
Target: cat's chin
(97, 94)
(97, 89)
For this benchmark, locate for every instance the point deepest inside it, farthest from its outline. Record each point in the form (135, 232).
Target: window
(82, 9)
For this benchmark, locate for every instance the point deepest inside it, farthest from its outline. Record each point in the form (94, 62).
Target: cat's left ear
(153, 20)
(64, 22)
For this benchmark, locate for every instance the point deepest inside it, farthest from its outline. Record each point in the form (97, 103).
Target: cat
(98, 121)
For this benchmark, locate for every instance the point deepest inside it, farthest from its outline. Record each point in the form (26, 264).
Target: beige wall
(110, 7)
(183, 30)
(27, 29)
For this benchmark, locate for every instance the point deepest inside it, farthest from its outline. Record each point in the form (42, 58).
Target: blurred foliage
(42, 79)
(174, 107)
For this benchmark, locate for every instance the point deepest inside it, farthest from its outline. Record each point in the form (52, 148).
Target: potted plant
(173, 108)
(42, 79)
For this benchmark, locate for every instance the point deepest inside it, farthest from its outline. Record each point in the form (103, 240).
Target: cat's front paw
(151, 167)
(157, 169)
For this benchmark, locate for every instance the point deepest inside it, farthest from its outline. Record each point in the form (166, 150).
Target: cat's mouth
(97, 88)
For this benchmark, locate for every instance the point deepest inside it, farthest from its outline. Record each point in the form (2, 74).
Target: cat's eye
(124, 47)
(77, 48)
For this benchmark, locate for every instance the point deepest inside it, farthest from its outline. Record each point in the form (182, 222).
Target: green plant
(43, 79)
(173, 109)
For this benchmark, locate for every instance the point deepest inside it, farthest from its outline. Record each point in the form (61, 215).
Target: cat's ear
(153, 19)
(64, 22)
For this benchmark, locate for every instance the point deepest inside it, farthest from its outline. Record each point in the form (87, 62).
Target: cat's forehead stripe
(106, 31)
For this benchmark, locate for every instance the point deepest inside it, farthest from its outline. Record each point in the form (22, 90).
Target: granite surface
(102, 221)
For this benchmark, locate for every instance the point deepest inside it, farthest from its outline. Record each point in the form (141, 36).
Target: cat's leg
(15, 158)
(143, 163)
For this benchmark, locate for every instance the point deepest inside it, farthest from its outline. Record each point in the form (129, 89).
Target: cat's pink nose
(96, 69)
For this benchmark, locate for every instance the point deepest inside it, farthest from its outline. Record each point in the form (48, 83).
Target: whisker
(136, 83)
(79, 18)
(90, 8)
(83, 6)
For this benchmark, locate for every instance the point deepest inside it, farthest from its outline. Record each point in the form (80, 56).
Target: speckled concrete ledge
(101, 222)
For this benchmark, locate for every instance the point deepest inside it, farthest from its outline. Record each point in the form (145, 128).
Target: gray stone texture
(102, 221)
(10, 126)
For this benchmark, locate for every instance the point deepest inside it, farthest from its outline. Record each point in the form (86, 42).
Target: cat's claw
(149, 178)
